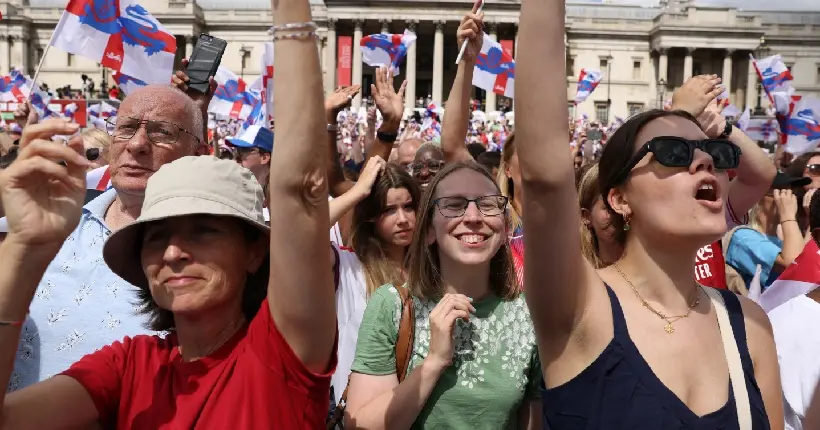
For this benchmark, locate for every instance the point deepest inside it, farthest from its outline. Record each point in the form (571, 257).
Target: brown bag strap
(404, 349)
(407, 325)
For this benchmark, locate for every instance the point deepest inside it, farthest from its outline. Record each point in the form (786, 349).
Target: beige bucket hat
(188, 186)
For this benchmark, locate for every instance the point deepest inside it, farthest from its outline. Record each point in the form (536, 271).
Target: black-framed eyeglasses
(432, 165)
(456, 206)
(241, 152)
(813, 169)
(673, 151)
(161, 132)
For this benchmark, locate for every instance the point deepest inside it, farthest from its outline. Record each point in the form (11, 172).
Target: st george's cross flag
(386, 49)
(494, 69)
(120, 35)
(588, 80)
(232, 97)
(267, 79)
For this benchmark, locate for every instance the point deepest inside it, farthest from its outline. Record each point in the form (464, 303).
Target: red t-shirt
(254, 381)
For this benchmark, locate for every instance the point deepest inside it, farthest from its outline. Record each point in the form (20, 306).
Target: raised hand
(375, 165)
(442, 323)
(42, 198)
(389, 102)
(341, 98)
(696, 93)
(712, 120)
(471, 29)
(786, 203)
(181, 79)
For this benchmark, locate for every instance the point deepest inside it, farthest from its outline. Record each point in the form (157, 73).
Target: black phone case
(205, 61)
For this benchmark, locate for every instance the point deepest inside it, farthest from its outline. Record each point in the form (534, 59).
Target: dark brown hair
(423, 266)
(616, 155)
(254, 292)
(378, 268)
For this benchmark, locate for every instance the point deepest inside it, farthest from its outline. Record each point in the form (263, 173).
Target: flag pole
(42, 60)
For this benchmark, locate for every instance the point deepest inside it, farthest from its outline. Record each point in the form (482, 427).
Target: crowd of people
(370, 269)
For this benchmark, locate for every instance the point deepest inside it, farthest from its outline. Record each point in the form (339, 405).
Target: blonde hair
(505, 183)
(588, 194)
(423, 267)
(96, 138)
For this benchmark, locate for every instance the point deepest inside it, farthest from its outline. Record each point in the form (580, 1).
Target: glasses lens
(452, 206)
(491, 205)
(162, 132)
(434, 165)
(723, 154)
(126, 129)
(813, 169)
(92, 154)
(672, 152)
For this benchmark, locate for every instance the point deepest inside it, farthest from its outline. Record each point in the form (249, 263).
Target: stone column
(438, 63)
(727, 73)
(330, 57)
(5, 61)
(410, 73)
(357, 60)
(385, 22)
(190, 42)
(490, 103)
(687, 64)
(16, 52)
(663, 62)
(515, 48)
(751, 86)
(321, 41)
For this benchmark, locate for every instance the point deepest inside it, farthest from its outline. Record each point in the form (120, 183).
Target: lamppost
(608, 85)
(661, 92)
(762, 51)
(243, 52)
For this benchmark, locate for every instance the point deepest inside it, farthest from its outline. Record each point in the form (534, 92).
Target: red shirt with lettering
(710, 265)
(254, 381)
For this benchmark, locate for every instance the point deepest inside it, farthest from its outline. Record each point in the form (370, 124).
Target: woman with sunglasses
(96, 143)
(638, 344)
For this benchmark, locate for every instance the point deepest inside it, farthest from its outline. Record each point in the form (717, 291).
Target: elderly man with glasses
(80, 305)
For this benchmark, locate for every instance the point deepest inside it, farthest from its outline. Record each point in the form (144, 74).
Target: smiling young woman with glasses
(474, 343)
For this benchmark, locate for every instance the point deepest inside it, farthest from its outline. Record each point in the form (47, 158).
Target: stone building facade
(644, 51)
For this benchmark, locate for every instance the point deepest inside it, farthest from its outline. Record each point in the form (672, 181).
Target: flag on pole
(15, 87)
(587, 82)
(232, 97)
(267, 79)
(776, 79)
(120, 35)
(494, 69)
(386, 49)
(803, 126)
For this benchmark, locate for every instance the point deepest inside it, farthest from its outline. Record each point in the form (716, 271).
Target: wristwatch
(387, 137)
(332, 128)
(727, 130)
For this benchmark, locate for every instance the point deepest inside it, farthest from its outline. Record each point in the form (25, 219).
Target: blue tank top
(620, 391)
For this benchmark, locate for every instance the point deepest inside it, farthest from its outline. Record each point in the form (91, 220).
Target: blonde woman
(598, 242)
(96, 143)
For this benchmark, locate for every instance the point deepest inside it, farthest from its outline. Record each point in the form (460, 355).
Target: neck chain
(668, 318)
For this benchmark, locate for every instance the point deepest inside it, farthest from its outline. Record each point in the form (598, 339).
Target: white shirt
(351, 300)
(798, 348)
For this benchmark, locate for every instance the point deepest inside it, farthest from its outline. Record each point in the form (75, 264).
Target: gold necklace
(669, 319)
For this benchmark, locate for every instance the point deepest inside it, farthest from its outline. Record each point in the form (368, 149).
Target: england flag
(120, 35)
(232, 97)
(802, 276)
(803, 126)
(587, 82)
(494, 69)
(386, 49)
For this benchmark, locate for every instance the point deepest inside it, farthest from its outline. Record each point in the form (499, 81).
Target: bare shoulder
(759, 334)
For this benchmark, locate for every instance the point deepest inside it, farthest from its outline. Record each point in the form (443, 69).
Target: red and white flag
(267, 79)
(98, 179)
(588, 80)
(494, 69)
(802, 276)
(120, 35)
(232, 97)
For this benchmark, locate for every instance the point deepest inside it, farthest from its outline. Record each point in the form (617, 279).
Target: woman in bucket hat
(234, 359)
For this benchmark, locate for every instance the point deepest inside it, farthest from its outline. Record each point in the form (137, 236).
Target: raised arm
(302, 299)
(44, 202)
(556, 292)
(454, 124)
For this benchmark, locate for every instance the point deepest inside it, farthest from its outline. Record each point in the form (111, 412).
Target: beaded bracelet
(293, 36)
(310, 25)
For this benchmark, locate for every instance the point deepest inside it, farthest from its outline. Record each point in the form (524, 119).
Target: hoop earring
(627, 218)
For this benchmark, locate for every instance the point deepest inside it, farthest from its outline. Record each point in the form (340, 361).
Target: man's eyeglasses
(454, 207)
(158, 131)
(432, 165)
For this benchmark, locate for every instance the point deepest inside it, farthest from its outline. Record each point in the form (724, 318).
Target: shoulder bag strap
(404, 347)
(744, 414)
(407, 325)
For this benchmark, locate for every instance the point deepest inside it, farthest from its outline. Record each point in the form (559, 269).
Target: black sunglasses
(673, 151)
(92, 154)
(813, 169)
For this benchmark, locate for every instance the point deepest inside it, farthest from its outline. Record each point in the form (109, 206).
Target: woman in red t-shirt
(199, 256)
